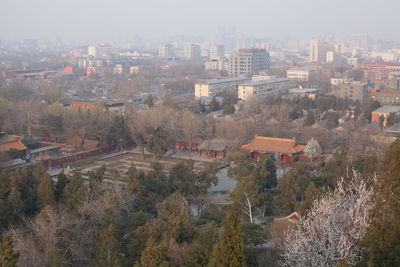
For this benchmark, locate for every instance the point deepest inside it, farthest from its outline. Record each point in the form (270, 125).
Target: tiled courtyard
(122, 162)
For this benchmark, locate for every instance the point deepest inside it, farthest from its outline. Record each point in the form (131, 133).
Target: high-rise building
(166, 50)
(227, 36)
(192, 51)
(319, 49)
(217, 51)
(248, 61)
(359, 41)
(92, 51)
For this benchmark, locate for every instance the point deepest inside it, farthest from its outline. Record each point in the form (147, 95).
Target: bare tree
(191, 126)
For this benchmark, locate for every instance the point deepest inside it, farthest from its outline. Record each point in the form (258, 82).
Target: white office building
(262, 88)
(219, 87)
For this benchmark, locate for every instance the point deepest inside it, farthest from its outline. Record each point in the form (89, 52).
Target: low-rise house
(43, 152)
(182, 145)
(385, 111)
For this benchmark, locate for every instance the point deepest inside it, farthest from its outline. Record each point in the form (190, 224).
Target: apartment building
(385, 97)
(261, 88)
(192, 51)
(248, 61)
(166, 50)
(354, 91)
(319, 50)
(215, 64)
(219, 87)
(302, 73)
(217, 51)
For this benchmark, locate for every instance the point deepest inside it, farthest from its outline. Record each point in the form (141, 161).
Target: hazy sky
(122, 19)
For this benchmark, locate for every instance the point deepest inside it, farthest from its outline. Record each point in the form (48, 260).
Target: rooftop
(262, 82)
(251, 50)
(213, 144)
(303, 68)
(42, 149)
(274, 145)
(235, 79)
(11, 163)
(303, 90)
(8, 142)
(383, 92)
(377, 64)
(387, 109)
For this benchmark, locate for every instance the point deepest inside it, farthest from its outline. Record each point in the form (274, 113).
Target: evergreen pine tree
(383, 236)
(8, 258)
(199, 252)
(15, 205)
(310, 119)
(381, 120)
(214, 105)
(45, 191)
(173, 219)
(228, 252)
(154, 255)
(202, 107)
(266, 173)
(62, 182)
(75, 191)
(391, 120)
(149, 101)
(108, 251)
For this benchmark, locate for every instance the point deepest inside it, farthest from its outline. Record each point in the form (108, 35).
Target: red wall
(281, 159)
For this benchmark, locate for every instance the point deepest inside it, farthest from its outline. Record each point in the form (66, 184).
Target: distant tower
(217, 51)
(314, 50)
(318, 50)
(227, 36)
(192, 51)
(92, 51)
(166, 50)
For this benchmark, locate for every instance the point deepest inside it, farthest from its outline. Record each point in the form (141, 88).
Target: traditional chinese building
(213, 148)
(283, 151)
(8, 142)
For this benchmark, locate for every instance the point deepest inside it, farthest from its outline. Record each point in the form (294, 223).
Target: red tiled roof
(275, 145)
(293, 218)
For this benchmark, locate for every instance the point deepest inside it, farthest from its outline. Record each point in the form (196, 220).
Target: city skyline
(159, 20)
